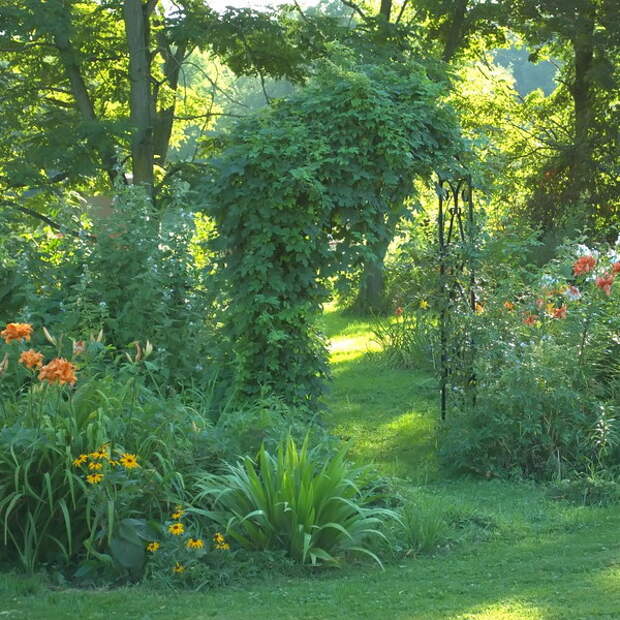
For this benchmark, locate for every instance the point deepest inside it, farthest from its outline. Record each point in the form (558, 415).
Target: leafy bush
(409, 340)
(587, 490)
(243, 428)
(295, 501)
(540, 404)
(42, 505)
(136, 272)
(289, 216)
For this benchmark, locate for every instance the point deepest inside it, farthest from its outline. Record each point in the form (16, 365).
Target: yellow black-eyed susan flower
(195, 543)
(94, 478)
(178, 512)
(220, 542)
(129, 461)
(153, 546)
(176, 529)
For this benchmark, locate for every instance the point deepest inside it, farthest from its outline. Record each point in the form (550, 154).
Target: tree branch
(79, 91)
(402, 10)
(356, 8)
(51, 223)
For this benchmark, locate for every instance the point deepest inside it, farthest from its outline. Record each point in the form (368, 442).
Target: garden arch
(329, 164)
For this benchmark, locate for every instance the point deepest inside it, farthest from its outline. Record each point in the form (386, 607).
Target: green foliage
(50, 511)
(41, 498)
(425, 526)
(296, 501)
(587, 490)
(294, 203)
(409, 340)
(242, 430)
(135, 276)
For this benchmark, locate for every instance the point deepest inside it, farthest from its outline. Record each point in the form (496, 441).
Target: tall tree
(586, 35)
(91, 91)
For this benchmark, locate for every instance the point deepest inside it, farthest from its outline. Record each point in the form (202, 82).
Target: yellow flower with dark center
(100, 453)
(178, 513)
(95, 466)
(178, 568)
(176, 529)
(80, 460)
(113, 462)
(94, 478)
(220, 542)
(129, 461)
(195, 543)
(153, 546)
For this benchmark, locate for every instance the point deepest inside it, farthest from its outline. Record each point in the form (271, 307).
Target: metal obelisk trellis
(457, 279)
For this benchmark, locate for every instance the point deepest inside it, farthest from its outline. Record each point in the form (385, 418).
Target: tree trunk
(385, 9)
(582, 94)
(456, 30)
(136, 17)
(371, 295)
(83, 102)
(164, 118)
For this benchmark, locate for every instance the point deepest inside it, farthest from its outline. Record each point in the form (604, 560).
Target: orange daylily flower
(17, 331)
(31, 359)
(605, 282)
(59, 370)
(560, 313)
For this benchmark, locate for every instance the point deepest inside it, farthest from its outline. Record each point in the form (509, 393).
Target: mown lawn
(514, 553)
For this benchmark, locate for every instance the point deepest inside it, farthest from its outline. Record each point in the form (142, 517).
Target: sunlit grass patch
(506, 610)
(386, 415)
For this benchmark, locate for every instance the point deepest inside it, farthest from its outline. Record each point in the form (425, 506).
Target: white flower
(573, 293)
(584, 250)
(548, 281)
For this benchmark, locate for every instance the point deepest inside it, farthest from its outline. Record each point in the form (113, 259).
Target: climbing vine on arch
(295, 198)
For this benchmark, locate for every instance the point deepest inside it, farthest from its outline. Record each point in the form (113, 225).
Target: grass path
(386, 415)
(525, 556)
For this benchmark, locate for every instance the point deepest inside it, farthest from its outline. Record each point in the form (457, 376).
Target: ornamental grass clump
(297, 501)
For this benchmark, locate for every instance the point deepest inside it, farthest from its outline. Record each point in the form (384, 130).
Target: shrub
(540, 402)
(588, 490)
(133, 273)
(296, 501)
(409, 340)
